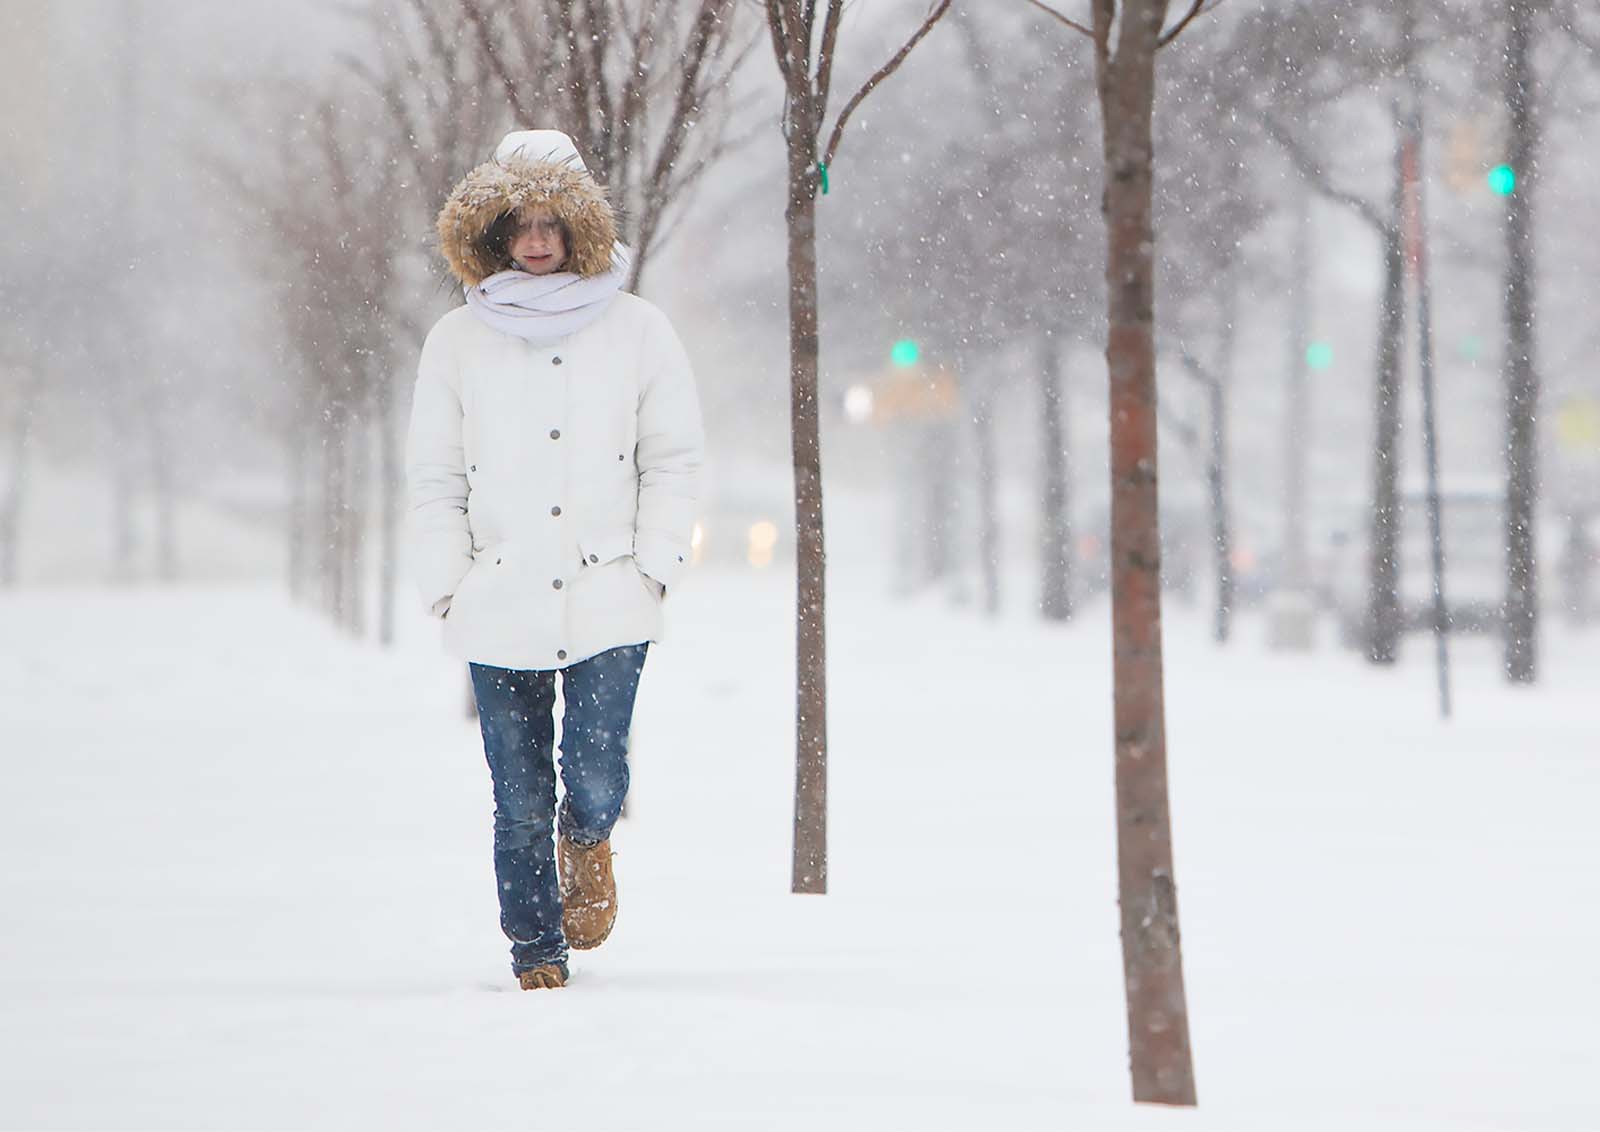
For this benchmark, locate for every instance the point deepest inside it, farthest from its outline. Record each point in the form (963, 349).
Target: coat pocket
(605, 546)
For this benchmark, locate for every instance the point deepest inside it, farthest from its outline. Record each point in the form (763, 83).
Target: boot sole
(588, 944)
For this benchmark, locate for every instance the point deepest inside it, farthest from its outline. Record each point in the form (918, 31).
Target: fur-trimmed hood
(515, 180)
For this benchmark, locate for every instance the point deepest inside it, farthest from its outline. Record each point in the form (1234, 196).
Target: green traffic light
(1502, 180)
(905, 353)
(1319, 355)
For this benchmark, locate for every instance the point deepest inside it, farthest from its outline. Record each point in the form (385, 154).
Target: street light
(858, 403)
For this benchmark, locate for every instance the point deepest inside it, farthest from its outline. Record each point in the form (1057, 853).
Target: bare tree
(1126, 35)
(1383, 619)
(330, 213)
(1521, 375)
(805, 53)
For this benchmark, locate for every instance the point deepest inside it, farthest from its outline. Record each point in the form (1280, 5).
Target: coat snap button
(594, 558)
(555, 511)
(473, 468)
(497, 561)
(561, 654)
(556, 583)
(555, 434)
(555, 361)
(619, 455)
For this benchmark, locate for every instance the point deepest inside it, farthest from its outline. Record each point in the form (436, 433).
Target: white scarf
(546, 308)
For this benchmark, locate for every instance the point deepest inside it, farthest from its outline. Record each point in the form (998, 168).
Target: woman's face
(538, 246)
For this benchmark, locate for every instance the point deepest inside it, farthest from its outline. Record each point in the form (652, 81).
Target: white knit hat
(540, 145)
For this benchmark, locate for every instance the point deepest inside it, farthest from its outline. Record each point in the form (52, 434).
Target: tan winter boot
(588, 893)
(543, 978)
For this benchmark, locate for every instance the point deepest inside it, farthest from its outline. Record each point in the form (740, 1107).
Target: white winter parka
(549, 485)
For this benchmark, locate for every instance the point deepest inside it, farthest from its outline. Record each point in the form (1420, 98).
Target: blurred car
(744, 525)
(1186, 556)
(1472, 520)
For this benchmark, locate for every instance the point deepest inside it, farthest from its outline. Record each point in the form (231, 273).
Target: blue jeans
(517, 717)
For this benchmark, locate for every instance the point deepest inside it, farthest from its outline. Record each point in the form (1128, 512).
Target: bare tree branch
(830, 37)
(883, 72)
(685, 112)
(1187, 434)
(1051, 12)
(575, 72)
(1060, 18)
(780, 47)
(1195, 8)
(1568, 19)
(438, 46)
(1308, 167)
(1197, 369)
(395, 104)
(599, 35)
(797, 39)
(488, 46)
(1105, 11)
(641, 38)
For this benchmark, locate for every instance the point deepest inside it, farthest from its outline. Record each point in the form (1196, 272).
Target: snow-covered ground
(247, 881)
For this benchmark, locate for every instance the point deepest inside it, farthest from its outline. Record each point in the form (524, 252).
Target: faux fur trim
(494, 188)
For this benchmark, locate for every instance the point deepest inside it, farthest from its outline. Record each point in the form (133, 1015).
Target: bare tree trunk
(155, 405)
(1522, 379)
(124, 499)
(810, 865)
(1055, 517)
(1158, 1024)
(357, 463)
(389, 477)
(988, 526)
(1217, 465)
(943, 513)
(299, 519)
(17, 482)
(1221, 530)
(1297, 418)
(1383, 566)
(333, 517)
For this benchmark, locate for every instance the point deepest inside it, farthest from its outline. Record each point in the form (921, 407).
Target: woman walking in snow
(551, 462)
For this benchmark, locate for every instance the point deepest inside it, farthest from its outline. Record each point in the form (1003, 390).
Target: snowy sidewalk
(248, 883)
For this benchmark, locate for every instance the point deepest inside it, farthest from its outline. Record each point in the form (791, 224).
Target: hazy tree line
(982, 225)
(1269, 106)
